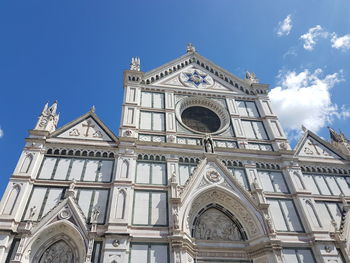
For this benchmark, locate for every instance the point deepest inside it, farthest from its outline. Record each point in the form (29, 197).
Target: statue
(251, 77)
(135, 64)
(208, 143)
(190, 48)
(173, 177)
(176, 217)
(95, 214)
(32, 212)
(72, 185)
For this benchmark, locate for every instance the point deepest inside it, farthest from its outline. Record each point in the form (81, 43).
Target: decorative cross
(88, 126)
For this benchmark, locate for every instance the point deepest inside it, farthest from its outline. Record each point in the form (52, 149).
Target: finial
(92, 109)
(303, 128)
(190, 48)
(135, 64)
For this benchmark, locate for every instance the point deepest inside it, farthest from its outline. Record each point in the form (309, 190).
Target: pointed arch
(247, 215)
(11, 199)
(47, 236)
(312, 214)
(299, 181)
(125, 169)
(26, 163)
(120, 211)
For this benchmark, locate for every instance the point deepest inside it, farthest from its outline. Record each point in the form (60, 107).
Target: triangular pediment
(87, 127)
(313, 146)
(211, 172)
(193, 71)
(67, 209)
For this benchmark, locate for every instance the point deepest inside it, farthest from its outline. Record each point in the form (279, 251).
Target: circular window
(202, 115)
(201, 119)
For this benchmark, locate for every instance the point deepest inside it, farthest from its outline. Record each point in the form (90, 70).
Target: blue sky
(75, 52)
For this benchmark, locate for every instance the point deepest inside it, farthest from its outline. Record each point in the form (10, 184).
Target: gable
(195, 78)
(311, 147)
(87, 129)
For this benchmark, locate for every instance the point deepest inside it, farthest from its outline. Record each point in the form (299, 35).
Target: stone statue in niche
(95, 215)
(208, 143)
(215, 225)
(59, 252)
(32, 212)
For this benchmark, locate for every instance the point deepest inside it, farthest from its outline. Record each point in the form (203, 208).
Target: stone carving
(215, 225)
(213, 176)
(208, 144)
(251, 77)
(176, 216)
(128, 132)
(32, 212)
(116, 243)
(65, 214)
(74, 132)
(97, 134)
(135, 64)
(59, 252)
(233, 205)
(196, 78)
(72, 185)
(190, 48)
(95, 214)
(88, 126)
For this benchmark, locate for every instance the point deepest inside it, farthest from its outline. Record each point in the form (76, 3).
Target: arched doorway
(216, 223)
(58, 252)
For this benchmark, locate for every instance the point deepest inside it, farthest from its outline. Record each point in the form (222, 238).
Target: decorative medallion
(65, 214)
(213, 176)
(196, 79)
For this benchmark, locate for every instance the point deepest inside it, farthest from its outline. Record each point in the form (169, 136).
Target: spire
(334, 135)
(48, 118)
(135, 64)
(190, 48)
(339, 141)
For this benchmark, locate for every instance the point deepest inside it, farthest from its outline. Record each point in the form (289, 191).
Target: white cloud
(312, 36)
(1, 133)
(285, 26)
(342, 43)
(304, 98)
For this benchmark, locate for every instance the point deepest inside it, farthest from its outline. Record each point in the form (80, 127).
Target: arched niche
(120, 211)
(246, 214)
(46, 238)
(125, 169)
(216, 223)
(11, 199)
(26, 163)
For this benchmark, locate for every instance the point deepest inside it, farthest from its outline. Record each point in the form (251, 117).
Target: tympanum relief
(215, 225)
(59, 252)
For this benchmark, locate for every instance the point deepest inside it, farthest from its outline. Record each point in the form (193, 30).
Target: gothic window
(329, 212)
(213, 224)
(273, 181)
(247, 109)
(254, 130)
(150, 208)
(284, 215)
(89, 170)
(59, 252)
(26, 163)
(151, 173)
(152, 100)
(298, 255)
(327, 184)
(41, 201)
(152, 121)
(149, 253)
(11, 200)
(91, 200)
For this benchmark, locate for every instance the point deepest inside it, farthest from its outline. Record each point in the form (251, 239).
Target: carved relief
(230, 203)
(59, 252)
(215, 225)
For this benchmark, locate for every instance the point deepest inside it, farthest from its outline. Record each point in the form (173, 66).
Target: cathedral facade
(201, 171)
